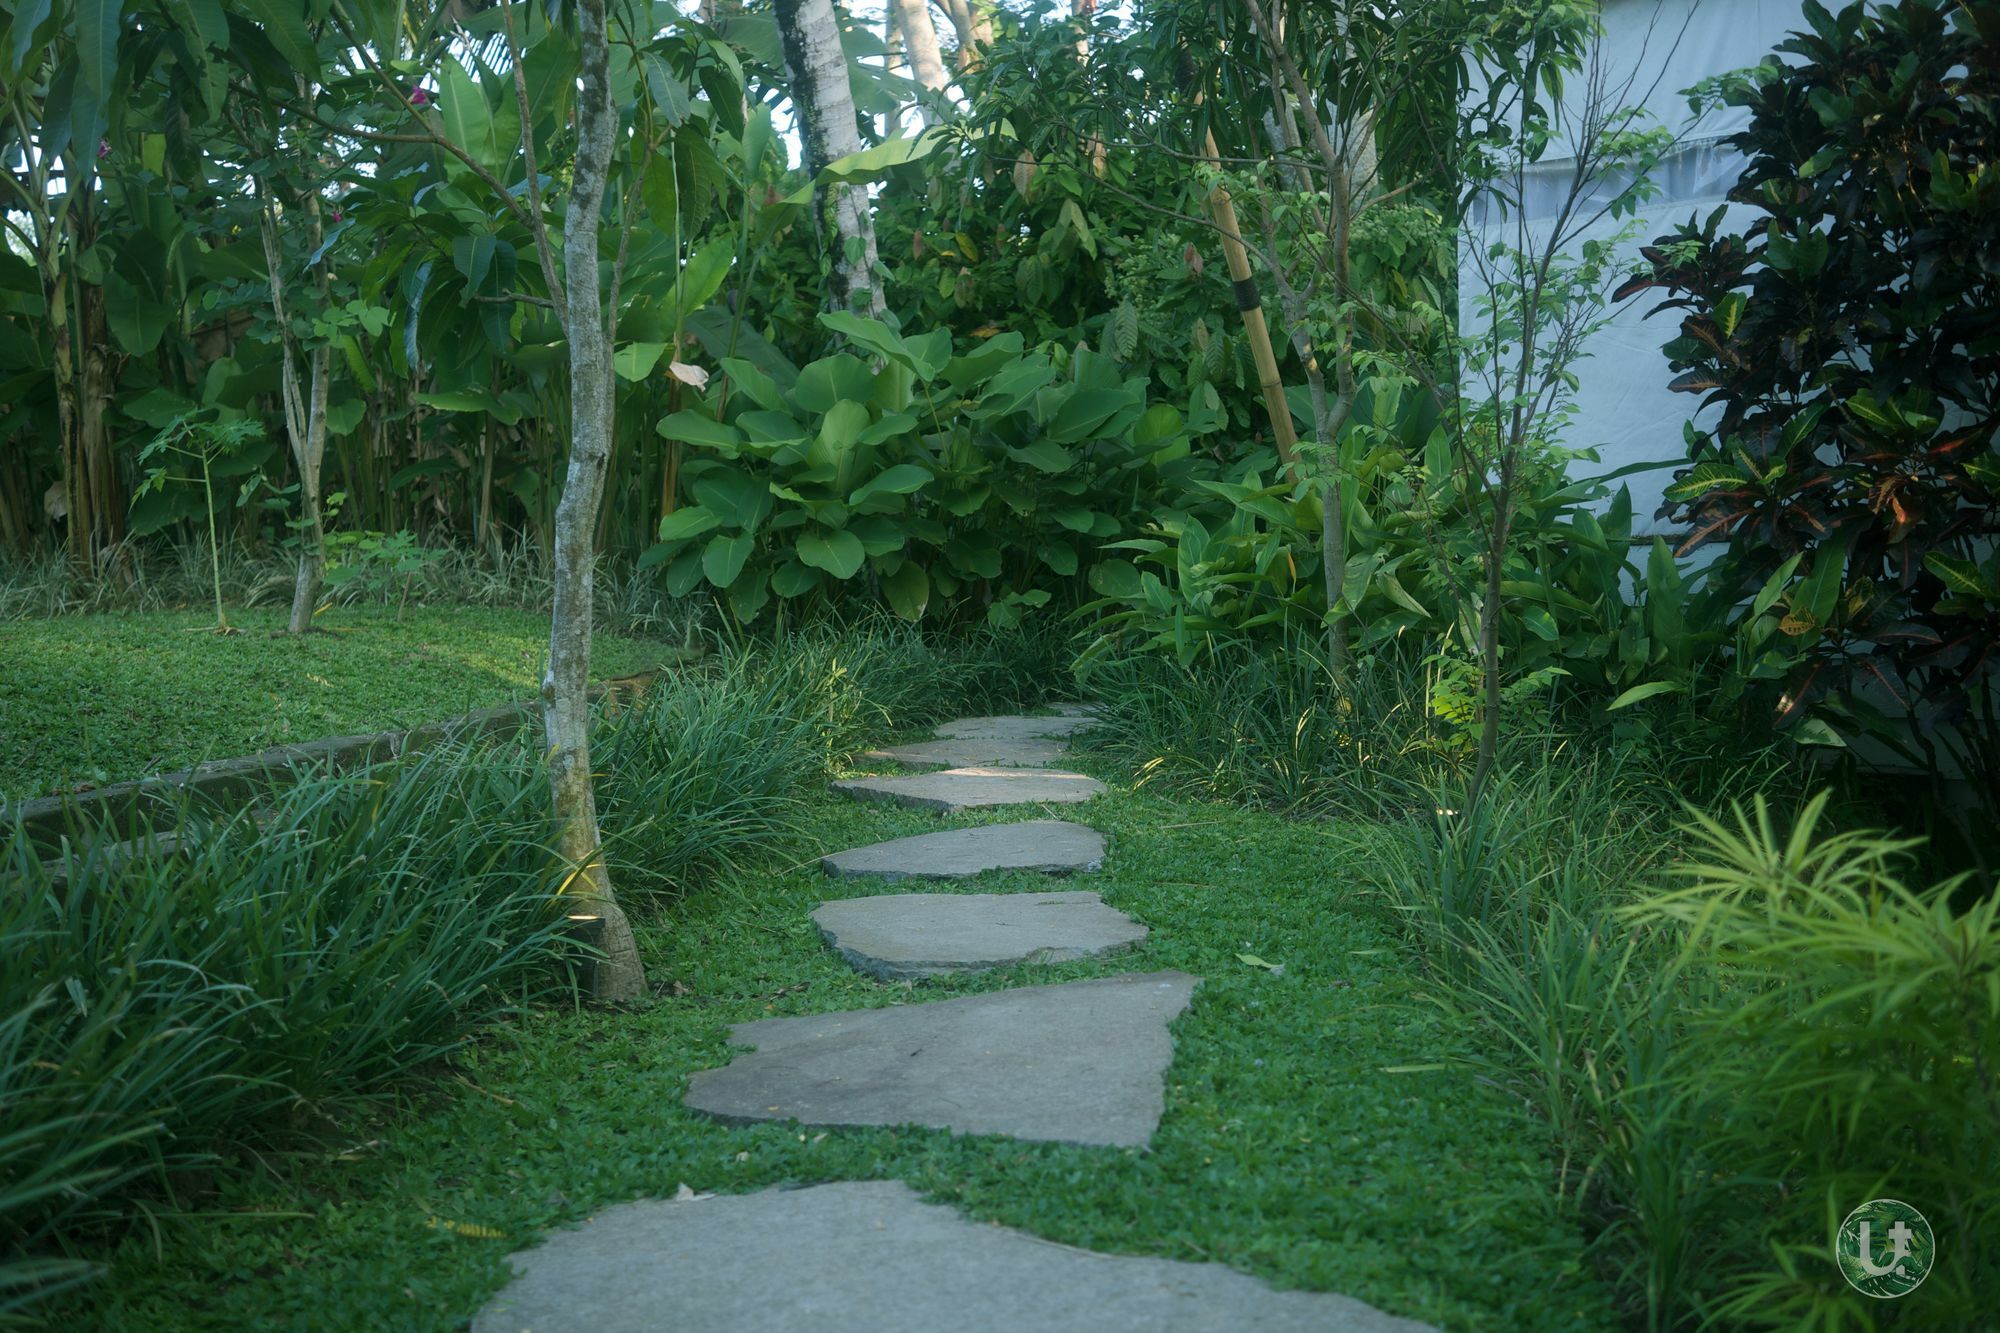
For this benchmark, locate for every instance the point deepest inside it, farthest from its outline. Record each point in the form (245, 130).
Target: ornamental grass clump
(164, 1014)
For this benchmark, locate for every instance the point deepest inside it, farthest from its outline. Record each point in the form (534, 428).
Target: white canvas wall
(1656, 49)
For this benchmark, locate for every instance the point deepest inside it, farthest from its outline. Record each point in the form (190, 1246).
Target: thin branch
(538, 225)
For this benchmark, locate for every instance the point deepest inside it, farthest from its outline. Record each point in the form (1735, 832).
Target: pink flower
(418, 97)
(338, 215)
(104, 148)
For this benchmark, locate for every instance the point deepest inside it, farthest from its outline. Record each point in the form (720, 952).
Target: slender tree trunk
(975, 33)
(565, 701)
(825, 103)
(305, 405)
(90, 484)
(912, 18)
(1489, 646)
(1351, 169)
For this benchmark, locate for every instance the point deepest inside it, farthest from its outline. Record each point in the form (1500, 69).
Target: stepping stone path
(1082, 1062)
(957, 789)
(1028, 752)
(904, 936)
(870, 1257)
(1015, 728)
(1076, 1063)
(1047, 845)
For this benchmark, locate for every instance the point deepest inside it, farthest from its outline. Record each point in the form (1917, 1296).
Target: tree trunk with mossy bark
(565, 701)
(827, 124)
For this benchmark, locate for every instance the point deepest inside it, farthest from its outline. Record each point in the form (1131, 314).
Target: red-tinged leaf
(1791, 705)
(1694, 381)
(1704, 533)
(1812, 520)
(1874, 668)
(1635, 284)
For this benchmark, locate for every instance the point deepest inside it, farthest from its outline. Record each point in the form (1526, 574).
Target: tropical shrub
(977, 482)
(1728, 1065)
(1847, 338)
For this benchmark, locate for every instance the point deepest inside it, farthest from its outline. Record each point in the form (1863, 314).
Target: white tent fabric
(1652, 52)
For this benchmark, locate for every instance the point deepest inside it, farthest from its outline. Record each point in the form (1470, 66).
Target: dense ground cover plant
(167, 1016)
(1846, 335)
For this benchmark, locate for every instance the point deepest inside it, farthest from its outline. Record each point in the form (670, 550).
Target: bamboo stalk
(1251, 306)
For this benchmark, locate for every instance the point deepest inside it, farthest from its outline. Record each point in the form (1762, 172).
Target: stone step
(1050, 846)
(1014, 728)
(1079, 1062)
(1028, 752)
(908, 936)
(869, 1256)
(957, 789)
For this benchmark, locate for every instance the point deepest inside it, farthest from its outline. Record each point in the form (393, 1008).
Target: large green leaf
(1086, 409)
(908, 590)
(97, 24)
(472, 400)
(838, 553)
(749, 593)
(1045, 456)
(701, 278)
(689, 521)
(1639, 693)
(636, 361)
(833, 379)
(902, 479)
(723, 560)
(692, 427)
(760, 388)
(462, 109)
(792, 579)
(738, 499)
(284, 22)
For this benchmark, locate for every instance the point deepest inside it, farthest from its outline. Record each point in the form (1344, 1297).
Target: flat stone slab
(1050, 846)
(905, 936)
(870, 1256)
(1027, 752)
(1013, 728)
(1080, 1062)
(957, 789)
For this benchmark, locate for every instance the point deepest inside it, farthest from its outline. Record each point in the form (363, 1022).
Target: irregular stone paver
(1028, 752)
(1014, 728)
(1051, 846)
(903, 936)
(957, 789)
(1079, 1062)
(871, 1257)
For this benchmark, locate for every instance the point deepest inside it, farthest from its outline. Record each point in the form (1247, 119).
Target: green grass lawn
(1320, 1129)
(101, 698)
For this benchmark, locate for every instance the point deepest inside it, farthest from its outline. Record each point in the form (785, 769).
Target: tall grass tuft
(162, 1012)
(1279, 731)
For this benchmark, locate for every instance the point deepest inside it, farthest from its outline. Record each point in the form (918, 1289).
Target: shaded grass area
(1321, 1130)
(95, 699)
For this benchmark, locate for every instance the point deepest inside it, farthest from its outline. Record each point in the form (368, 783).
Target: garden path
(1076, 1062)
